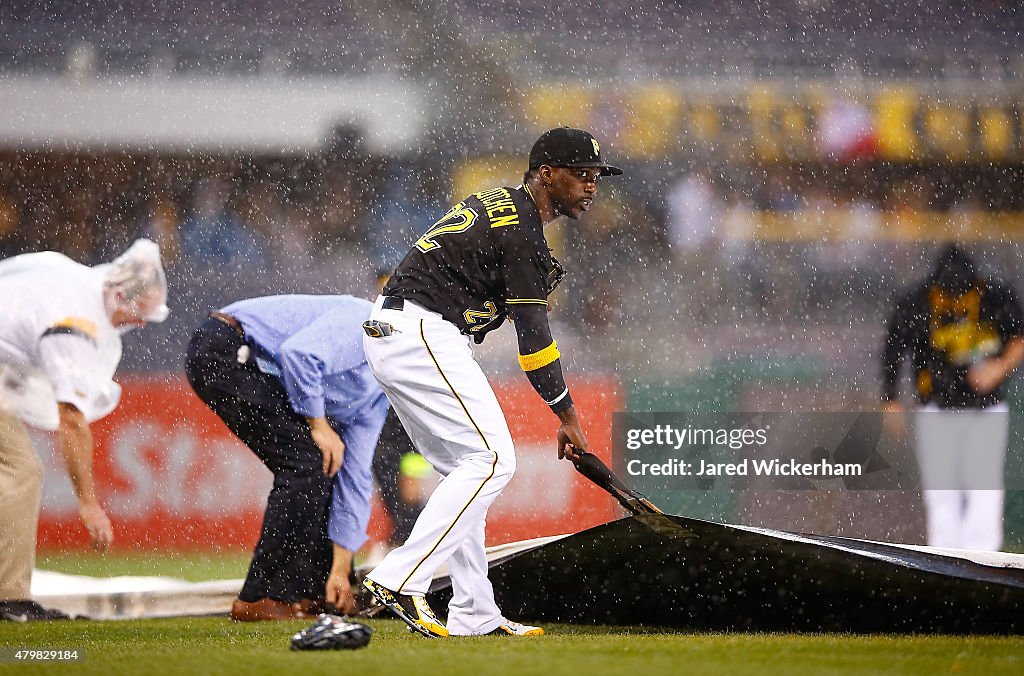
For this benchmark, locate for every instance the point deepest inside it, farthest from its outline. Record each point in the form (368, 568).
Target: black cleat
(28, 611)
(413, 610)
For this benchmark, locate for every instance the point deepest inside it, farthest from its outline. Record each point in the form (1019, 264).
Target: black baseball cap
(568, 147)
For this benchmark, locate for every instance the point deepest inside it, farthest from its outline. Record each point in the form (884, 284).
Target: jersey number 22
(458, 219)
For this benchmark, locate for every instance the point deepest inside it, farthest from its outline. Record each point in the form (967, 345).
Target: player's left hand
(567, 448)
(571, 440)
(986, 375)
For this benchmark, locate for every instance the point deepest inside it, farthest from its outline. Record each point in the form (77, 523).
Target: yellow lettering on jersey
(957, 328)
(477, 316)
(497, 201)
(490, 195)
(503, 205)
(502, 221)
(458, 219)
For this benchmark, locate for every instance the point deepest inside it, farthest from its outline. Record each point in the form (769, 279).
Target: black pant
(293, 556)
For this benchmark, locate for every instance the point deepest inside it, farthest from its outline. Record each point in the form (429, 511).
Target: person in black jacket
(964, 336)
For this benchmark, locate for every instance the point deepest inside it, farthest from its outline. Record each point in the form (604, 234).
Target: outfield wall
(171, 475)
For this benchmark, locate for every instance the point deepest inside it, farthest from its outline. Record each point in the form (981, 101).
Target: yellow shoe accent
(426, 618)
(511, 628)
(413, 610)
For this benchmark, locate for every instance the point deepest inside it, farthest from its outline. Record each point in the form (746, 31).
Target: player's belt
(393, 303)
(227, 319)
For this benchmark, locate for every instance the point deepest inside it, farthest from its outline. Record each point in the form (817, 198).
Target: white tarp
(126, 597)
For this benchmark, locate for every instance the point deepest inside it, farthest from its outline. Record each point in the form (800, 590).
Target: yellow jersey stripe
(536, 360)
(525, 301)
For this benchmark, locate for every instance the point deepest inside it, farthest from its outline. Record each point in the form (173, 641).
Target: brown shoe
(266, 609)
(314, 607)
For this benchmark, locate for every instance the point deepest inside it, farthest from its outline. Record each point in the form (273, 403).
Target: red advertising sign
(171, 475)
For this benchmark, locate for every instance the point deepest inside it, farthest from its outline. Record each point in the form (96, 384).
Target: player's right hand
(330, 444)
(101, 533)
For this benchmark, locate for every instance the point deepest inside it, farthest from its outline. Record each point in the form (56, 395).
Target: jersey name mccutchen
(484, 255)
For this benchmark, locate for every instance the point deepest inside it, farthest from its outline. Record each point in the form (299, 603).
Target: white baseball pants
(961, 454)
(448, 408)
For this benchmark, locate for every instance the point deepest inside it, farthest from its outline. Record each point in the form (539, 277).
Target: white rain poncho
(57, 342)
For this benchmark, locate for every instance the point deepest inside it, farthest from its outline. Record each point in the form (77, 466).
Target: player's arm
(897, 342)
(76, 446)
(540, 359)
(990, 373)
(526, 264)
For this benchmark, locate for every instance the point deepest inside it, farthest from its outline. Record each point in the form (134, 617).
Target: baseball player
(964, 336)
(486, 260)
(60, 342)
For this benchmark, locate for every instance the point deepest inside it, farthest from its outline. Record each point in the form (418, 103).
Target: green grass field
(191, 566)
(214, 645)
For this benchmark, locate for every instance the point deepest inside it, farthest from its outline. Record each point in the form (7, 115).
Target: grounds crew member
(60, 343)
(288, 376)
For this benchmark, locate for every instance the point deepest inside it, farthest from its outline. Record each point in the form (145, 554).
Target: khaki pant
(21, 483)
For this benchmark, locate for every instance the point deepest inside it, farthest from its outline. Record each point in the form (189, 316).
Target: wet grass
(214, 645)
(191, 566)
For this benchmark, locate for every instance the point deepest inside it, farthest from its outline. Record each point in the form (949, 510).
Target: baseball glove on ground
(331, 632)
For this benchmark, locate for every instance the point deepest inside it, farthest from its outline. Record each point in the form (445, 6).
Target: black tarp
(709, 576)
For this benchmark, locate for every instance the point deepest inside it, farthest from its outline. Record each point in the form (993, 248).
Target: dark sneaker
(413, 610)
(510, 628)
(331, 632)
(28, 611)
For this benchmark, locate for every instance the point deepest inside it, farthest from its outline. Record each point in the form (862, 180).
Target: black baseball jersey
(944, 334)
(486, 254)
